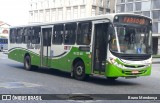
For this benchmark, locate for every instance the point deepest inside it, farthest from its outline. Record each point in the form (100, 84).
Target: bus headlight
(119, 65)
(112, 60)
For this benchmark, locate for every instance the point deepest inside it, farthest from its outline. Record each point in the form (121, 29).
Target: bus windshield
(132, 39)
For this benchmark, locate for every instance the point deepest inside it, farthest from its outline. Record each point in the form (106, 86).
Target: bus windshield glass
(132, 39)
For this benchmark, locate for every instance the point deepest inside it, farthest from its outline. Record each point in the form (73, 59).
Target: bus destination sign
(132, 20)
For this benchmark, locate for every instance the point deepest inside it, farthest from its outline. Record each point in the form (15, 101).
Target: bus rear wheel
(79, 71)
(27, 63)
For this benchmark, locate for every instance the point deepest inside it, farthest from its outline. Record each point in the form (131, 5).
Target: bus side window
(70, 33)
(84, 33)
(27, 35)
(19, 35)
(35, 35)
(58, 34)
(13, 34)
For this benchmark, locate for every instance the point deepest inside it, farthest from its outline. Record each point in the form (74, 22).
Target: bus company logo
(6, 97)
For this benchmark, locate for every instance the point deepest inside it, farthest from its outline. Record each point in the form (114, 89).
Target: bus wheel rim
(27, 64)
(79, 70)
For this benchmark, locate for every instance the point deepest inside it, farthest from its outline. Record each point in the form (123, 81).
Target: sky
(14, 12)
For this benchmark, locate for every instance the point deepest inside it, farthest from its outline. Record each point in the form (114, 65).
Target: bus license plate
(135, 72)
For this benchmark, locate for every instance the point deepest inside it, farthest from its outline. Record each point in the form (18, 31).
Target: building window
(129, 7)
(75, 2)
(139, 13)
(53, 3)
(107, 11)
(70, 2)
(129, 0)
(146, 13)
(107, 3)
(100, 11)
(39, 5)
(82, 11)
(68, 14)
(31, 16)
(70, 33)
(120, 8)
(146, 6)
(75, 12)
(41, 16)
(120, 1)
(53, 14)
(93, 10)
(46, 4)
(47, 16)
(94, 2)
(60, 13)
(31, 6)
(156, 14)
(83, 1)
(36, 16)
(138, 6)
(34, 6)
(84, 33)
(58, 3)
(100, 3)
(156, 4)
(155, 27)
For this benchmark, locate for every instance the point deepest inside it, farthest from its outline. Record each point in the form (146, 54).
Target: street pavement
(15, 80)
(156, 60)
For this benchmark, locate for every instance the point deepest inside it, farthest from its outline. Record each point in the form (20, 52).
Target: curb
(158, 62)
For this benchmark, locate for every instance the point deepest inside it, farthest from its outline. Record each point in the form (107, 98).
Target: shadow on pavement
(91, 79)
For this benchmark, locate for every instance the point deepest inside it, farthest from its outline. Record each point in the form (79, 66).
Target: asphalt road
(15, 80)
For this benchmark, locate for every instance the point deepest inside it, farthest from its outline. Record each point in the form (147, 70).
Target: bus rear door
(46, 46)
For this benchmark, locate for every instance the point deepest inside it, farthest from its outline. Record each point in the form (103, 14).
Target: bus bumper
(114, 71)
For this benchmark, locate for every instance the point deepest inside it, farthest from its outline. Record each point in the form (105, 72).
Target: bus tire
(27, 63)
(112, 78)
(79, 71)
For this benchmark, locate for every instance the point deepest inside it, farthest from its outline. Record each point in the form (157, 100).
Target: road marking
(18, 85)
(85, 101)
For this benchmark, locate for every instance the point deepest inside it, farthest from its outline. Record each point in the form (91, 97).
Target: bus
(111, 45)
(3, 43)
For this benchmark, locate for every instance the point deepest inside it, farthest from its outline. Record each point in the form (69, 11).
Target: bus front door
(99, 47)
(46, 47)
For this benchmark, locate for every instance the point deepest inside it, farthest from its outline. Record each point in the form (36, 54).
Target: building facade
(4, 29)
(150, 8)
(55, 10)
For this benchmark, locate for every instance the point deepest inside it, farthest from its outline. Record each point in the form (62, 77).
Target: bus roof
(110, 17)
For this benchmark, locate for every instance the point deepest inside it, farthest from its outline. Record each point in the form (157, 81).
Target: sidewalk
(5, 51)
(156, 60)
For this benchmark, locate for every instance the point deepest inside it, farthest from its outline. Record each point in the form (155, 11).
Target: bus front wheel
(27, 63)
(79, 71)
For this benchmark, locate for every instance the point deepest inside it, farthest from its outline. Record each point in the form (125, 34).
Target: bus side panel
(65, 62)
(18, 54)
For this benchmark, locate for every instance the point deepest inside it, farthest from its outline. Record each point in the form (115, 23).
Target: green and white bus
(111, 45)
